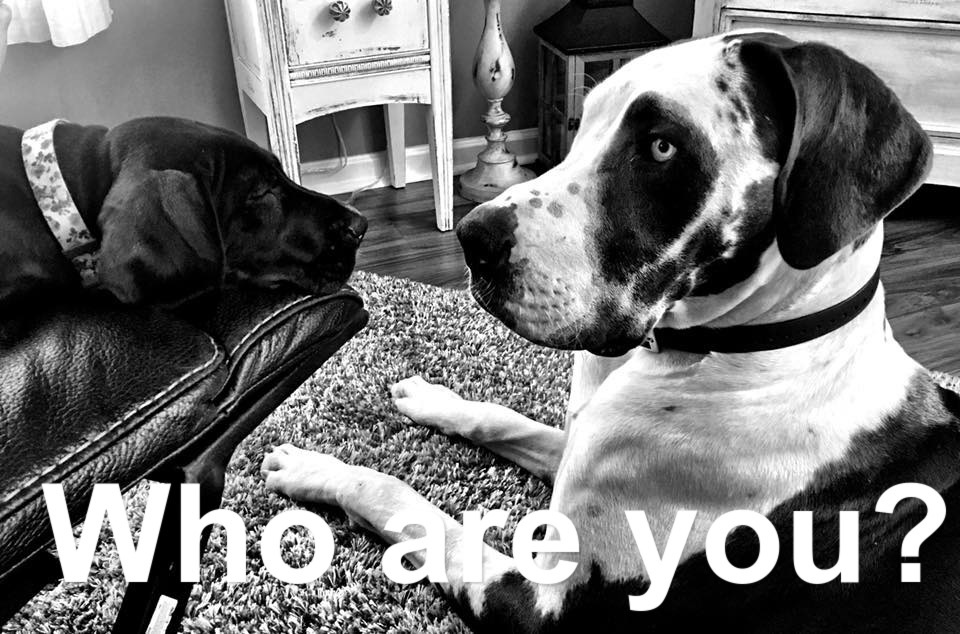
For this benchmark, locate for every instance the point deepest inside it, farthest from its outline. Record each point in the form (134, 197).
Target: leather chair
(99, 394)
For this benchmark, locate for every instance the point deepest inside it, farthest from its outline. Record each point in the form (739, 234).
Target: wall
(173, 57)
(363, 129)
(674, 18)
(158, 57)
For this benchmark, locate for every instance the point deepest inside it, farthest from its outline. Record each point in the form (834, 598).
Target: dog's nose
(357, 227)
(486, 235)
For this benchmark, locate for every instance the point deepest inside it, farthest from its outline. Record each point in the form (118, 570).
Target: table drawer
(942, 10)
(313, 36)
(921, 62)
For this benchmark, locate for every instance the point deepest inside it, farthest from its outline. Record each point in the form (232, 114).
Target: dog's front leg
(504, 599)
(533, 446)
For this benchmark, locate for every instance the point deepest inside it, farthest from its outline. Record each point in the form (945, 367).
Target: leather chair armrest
(94, 394)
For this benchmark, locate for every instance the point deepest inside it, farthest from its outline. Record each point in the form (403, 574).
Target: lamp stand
(493, 73)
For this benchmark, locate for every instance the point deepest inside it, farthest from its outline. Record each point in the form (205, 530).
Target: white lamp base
(492, 176)
(493, 73)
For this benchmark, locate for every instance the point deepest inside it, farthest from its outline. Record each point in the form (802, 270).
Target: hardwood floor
(920, 269)
(403, 241)
(920, 266)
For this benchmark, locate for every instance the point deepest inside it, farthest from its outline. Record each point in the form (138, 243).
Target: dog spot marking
(670, 408)
(535, 192)
(594, 510)
(753, 234)
(536, 203)
(555, 209)
(862, 240)
(573, 188)
(722, 85)
(740, 108)
(731, 52)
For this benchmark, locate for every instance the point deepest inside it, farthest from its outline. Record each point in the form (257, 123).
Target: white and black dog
(710, 246)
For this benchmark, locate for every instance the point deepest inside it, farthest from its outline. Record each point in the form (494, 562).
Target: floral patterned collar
(56, 204)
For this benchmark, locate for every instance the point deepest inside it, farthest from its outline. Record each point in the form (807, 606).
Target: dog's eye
(261, 191)
(258, 194)
(662, 150)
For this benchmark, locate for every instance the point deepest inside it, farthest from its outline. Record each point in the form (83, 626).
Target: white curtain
(63, 22)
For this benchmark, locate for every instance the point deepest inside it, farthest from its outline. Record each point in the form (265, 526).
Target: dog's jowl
(710, 248)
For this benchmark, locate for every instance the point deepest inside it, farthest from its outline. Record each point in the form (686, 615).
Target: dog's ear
(855, 152)
(161, 241)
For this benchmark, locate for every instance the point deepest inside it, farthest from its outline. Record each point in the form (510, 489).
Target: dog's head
(690, 163)
(276, 232)
(192, 205)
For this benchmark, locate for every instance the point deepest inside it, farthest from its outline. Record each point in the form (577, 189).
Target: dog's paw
(305, 476)
(431, 405)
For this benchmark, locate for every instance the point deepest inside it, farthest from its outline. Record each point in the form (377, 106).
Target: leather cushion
(262, 331)
(265, 335)
(106, 395)
(89, 395)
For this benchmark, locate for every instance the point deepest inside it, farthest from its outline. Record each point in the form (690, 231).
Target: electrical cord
(343, 159)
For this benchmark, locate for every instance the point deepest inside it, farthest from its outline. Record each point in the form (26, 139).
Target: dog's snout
(486, 235)
(357, 227)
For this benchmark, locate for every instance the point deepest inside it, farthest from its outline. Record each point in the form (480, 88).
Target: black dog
(177, 208)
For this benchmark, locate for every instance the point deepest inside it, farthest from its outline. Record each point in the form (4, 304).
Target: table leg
(396, 144)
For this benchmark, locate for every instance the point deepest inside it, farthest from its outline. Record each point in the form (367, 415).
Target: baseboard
(370, 170)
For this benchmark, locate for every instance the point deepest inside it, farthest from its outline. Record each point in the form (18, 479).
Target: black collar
(762, 337)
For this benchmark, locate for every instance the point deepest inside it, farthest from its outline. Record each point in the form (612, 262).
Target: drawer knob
(383, 7)
(340, 11)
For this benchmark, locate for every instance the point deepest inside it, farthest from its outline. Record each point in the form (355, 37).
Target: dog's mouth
(330, 287)
(285, 282)
(500, 298)
(553, 327)
(550, 329)
(614, 349)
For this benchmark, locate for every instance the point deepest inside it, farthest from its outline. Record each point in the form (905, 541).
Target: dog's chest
(713, 439)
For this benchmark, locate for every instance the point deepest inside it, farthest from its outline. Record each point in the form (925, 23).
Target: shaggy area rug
(345, 409)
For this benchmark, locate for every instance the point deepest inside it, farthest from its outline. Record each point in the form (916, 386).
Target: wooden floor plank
(403, 240)
(931, 336)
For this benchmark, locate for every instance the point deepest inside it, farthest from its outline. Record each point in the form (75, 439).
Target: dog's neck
(779, 415)
(86, 167)
(860, 362)
(776, 292)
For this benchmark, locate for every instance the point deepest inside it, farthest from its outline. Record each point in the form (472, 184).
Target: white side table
(300, 59)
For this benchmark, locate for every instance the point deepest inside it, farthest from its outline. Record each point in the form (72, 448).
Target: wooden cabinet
(316, 37)
(300, 59)
(914, 45)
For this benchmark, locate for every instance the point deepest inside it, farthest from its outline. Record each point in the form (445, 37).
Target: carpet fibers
(344, 409)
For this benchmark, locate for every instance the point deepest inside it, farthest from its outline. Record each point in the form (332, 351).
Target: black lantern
(580, 46)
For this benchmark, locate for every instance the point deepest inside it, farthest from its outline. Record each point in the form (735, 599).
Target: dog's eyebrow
(649, 106)
(656, 113)
(609, 95)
